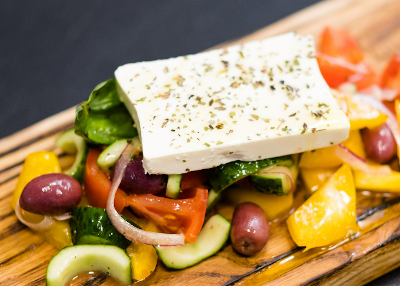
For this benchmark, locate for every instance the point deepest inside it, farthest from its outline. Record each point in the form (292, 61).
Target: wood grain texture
(376, 25)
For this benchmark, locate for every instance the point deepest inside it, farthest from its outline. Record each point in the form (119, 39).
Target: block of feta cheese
(247, 102)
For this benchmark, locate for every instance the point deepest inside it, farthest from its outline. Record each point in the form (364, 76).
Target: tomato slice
(391, 75)
(196, 179)
(337, 71)
(184, 215)
(339, 43)
(342, 60)
(97, 185)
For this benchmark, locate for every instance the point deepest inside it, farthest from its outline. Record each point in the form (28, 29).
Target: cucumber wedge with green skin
(73, 260)
(210, 240)
(109, 157)
(273, 181)
(71, 143)
(174, 186)
(213, 198)
(225, 175)
(90, 225)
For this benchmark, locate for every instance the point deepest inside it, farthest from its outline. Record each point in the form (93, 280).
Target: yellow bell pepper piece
(377, 182)
(362, 115)
(35, 165)
(328, 215)
(326, 157)
(272, 205)
(143, 257)
(59, 235)
(314, 178)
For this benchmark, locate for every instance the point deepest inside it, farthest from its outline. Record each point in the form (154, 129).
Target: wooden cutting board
(376, 25)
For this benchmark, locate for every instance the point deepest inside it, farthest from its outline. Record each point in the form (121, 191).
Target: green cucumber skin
(210, 240)
(269, 185)
(173, 186)
(69, 142)
(225, 175)
(73, 260)
(90, 225)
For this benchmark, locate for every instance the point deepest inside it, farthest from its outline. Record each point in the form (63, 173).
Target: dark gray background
(54, 52)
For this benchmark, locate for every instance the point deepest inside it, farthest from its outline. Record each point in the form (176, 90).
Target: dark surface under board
(54, 52)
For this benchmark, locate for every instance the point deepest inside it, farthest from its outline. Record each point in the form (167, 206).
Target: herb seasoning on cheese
(257, 100)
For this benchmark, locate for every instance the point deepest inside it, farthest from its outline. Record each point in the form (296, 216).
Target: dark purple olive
(136, 181)
(51, 194)
(250, 229)
(379, 143)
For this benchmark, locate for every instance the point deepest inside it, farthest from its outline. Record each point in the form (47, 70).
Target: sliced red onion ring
(380, 93)
(391, 121)
(129, 231)
(62, 216)
(358, 163)
(46, 223)
(280, 170)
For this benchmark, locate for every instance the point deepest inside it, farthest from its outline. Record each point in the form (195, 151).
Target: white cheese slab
(258, 100)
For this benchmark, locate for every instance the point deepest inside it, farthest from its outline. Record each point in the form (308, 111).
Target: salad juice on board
(107, 206)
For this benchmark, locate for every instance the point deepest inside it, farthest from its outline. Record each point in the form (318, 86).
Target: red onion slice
(62, 217)
(380, 93)
(46, 223)
(282, 171)
(129, 231)
(358, 163)
(391, 121)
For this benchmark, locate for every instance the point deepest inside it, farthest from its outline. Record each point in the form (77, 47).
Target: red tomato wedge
(341, 60)
(196, 179)
(337, 71)
(391, 75)
(97, 185)
(339, 43)
(184, 215)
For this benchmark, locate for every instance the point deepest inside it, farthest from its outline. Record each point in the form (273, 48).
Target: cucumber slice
(71, 143)
(225, 175)
(213, 198)
(110, 155)
(174, 186)
(210, 240)
(272, 183)
(73, 260)
(91, 225)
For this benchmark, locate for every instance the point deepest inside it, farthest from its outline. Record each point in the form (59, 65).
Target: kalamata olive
(136, 181)
(250, 229)
(379, 143)
(51, 194)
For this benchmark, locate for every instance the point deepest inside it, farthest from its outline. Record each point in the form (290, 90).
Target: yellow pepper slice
(59, 235)
(328, 215)
(314, 178)
(377, 182)
(35, 165)
(143, 257)
(362, 115)
(326, 157)
(273, 205)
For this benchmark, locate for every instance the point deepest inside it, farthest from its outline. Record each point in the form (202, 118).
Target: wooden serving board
(376, 25)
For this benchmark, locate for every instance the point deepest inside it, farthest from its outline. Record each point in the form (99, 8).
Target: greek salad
(143, 175)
